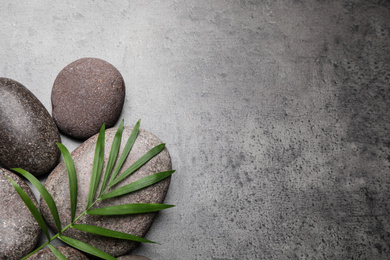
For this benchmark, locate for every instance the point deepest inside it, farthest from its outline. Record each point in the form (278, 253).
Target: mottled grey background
(276, 114)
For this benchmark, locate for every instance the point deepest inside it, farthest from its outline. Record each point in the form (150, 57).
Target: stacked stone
(18, 228)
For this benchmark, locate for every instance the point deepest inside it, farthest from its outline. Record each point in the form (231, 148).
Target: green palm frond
(109, 179)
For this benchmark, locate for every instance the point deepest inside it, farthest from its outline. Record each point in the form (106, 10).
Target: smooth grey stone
(133, 257)
(68, 252)
(87, 93)
(19, 232)
(28, 133)
(57, 185)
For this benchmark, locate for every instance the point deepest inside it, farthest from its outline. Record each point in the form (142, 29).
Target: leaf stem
(39, 248)
(63, 230)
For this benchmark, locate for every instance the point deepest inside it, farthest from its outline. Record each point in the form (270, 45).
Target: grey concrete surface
(276, 114)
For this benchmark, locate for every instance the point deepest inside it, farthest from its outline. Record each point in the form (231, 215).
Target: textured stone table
(275, 113)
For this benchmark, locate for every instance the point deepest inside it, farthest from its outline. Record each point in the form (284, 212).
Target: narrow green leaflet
(31, 206)
(129, 144)
(86, 247)
(116, 143)
(97, 166)
(128, 209)
(141, 161)
(137, 185)
(109, 233)
(44, 193)
(69, 164)
(57, 253)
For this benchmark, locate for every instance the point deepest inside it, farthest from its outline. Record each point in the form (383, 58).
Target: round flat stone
(57, 185)
(28, 133)
(133, 257)
(69, 252)
(87, 93)
(19, 232)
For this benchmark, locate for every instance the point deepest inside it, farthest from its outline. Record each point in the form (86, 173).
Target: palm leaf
(31, 206)
(141, 161)
(116, 143)
(97, 166)
(86, 247)
(57, 253)
(137, 185)
(44, 193)
(129, 144)
(128, 209)
(70, 169)
(110, 179)
(109, 233)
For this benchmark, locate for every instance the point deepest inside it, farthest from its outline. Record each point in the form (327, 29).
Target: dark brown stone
(68, 252)
(28, 134)
(87, 93)
(57, 185)
(133, 257)
(19, 232)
